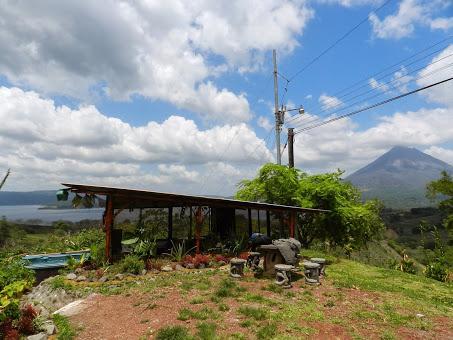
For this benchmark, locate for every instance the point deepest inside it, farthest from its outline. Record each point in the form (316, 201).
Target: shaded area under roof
(132, 198)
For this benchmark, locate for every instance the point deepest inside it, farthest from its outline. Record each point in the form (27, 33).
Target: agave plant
(178, 251)
(4, 178)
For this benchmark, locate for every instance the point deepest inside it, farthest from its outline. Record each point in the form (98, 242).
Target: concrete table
(272, 256)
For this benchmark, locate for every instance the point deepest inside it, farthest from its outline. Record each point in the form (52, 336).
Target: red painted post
(108, 223)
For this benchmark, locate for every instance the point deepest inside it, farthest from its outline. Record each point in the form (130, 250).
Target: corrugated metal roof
(133, 198)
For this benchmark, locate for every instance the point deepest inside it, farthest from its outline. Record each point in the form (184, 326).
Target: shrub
(85, 239)
(206, 330)
(26, 321)
(406, 265)
(65, 331)
(253, 312)
(154, 264)
(132, 264)
(12, 270)
(173, 333)
(197, 260)
(437, 271)
(221, 258)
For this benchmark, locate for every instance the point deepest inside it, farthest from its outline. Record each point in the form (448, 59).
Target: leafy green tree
(349, 223)
(443, 187)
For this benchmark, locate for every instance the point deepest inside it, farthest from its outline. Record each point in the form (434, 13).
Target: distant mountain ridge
(399, 177)
(42, 197)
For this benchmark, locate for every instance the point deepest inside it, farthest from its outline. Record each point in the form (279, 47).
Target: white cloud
(329, 102)
(308, 96)
(442, 23)
(162, 50)
(351, 3)
(400, 24)
(443, 154)
(410, 14)
(401, 80)
(433, 73)
(374, 84)
(264, 123)
(45, 144)
(342, 145)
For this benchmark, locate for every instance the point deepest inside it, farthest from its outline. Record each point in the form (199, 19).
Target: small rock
(179, 267)
(190, 266)
(71, 276)
(119, 276)
(39, 336)
(144, 272)
(49, 327)
(103, 279)
(81, 278)
(78, 271)
(201, 266)
(420, 315)
(167, 269)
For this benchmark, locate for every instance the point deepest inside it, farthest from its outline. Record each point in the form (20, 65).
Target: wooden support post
(268, 223)
(259, 224)
(198, 223)
(190, 223)
(292, 222)
(108, 224)
(170, 223)
(249, 212)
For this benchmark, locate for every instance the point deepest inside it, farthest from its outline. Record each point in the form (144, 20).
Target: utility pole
(291, 147)
(278, 113)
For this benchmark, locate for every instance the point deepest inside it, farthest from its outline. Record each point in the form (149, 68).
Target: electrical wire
(368, 78)
(344, 36)
(394, 87)
(373, 106)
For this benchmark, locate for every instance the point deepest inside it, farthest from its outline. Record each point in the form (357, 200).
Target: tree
(443, 187)
(349, 223)
(4, 178)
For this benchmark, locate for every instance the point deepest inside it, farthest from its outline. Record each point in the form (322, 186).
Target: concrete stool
(311, 271)
(283, 275)
(253, 261)
(237, 268)
(322, 263)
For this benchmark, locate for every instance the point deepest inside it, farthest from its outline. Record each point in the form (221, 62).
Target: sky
(178, 95)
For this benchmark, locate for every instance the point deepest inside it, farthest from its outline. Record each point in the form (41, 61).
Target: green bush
(437, 271)
(65, 330)
(12, 270)
(85, 239)
(173, 333)
(132, 264)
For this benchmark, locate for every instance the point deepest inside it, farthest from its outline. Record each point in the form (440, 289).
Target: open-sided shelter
(219, 215)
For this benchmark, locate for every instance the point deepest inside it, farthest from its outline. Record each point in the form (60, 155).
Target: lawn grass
(413, 290)
(353, 297)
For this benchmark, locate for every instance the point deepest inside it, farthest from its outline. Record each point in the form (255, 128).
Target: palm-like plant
(4, 178)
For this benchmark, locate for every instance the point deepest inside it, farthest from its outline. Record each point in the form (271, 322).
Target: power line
(368, 78)
(381, 93)
(344, 36)
(374, 105)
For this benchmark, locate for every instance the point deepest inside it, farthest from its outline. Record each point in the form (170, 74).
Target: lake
(32, 212)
